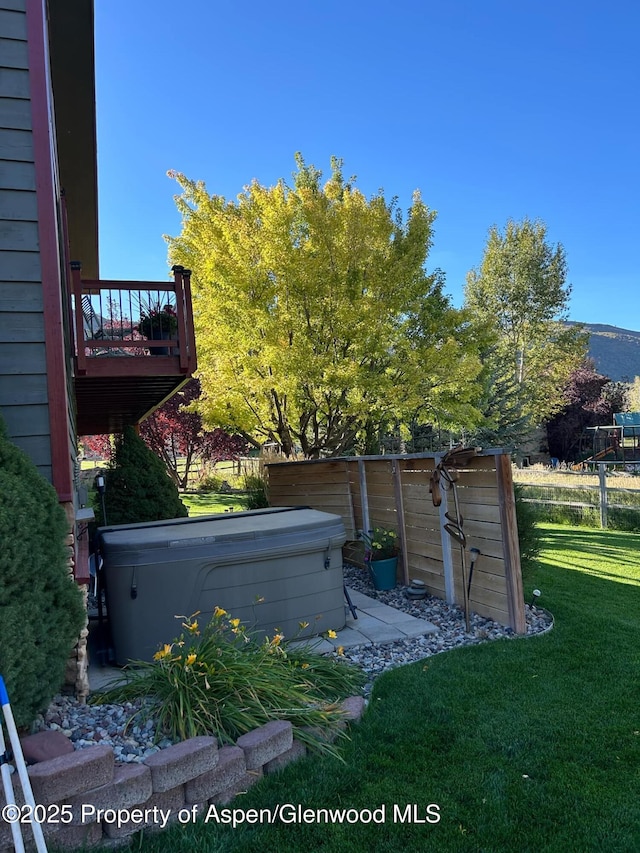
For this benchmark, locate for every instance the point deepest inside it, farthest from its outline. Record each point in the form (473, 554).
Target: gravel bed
(131, 732)
(125, 727)
(449, 619)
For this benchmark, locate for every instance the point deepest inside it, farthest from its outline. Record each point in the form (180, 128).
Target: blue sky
(494, 109)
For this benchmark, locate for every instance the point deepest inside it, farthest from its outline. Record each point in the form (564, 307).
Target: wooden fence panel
(429, 570)
(417, 544)
(393, 492)
(322, 486)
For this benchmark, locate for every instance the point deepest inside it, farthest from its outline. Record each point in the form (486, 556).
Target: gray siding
(19, 419)
(20, 296)
(23, 380)
(31, 390)
(17, 176)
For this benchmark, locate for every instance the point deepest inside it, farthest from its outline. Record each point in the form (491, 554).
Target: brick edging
(76, 789)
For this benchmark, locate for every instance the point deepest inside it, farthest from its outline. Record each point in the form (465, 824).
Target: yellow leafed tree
(316, 321)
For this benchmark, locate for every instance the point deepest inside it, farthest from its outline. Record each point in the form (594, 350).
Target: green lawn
(525, 745)
(205, 504)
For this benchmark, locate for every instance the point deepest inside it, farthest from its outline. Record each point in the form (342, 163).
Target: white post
(602, 475)
(21, 767)
(402, 528)
(445, 539)
(9, 798)
(364, 498)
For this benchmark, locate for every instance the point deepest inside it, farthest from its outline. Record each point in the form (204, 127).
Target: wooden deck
(121, 376)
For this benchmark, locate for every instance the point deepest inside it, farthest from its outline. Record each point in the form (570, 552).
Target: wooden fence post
(509, 522)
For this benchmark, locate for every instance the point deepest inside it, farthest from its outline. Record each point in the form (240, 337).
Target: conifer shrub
(41, 609)
(256, 487)
(529, 536)
(138, 486)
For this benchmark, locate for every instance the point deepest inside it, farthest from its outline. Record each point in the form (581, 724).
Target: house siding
(23, 380)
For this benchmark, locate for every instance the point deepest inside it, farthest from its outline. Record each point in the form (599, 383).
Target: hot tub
(271, 568)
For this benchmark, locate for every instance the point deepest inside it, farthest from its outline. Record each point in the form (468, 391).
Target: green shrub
(41, 610)
(210, 483)
(624, 519)
(223, 682)
(529, 536)
(138, 487)
(256, 488)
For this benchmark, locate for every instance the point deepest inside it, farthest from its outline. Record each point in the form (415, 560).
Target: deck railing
(133, 318)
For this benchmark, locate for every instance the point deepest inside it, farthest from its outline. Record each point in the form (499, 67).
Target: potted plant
(381, 556)
(159, 323)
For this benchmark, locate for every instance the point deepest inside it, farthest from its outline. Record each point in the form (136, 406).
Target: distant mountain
(616, 352)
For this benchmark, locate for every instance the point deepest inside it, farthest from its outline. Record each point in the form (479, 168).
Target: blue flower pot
(383, 573)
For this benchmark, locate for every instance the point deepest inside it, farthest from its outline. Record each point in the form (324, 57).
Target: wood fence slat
(310, 489)
(484, 580)
(481, 530)
(382, 492)
(482, 598)
(489, 565)
(425, 529)
(430, 550)
(412, 474)
(480, 463)
(487, 547)
(379, 478)
(477, 479)
(424, 533)
(381, 504)
(471, 495)
(416, 491)
(432, 577)
(498, 614)
(481, 513)
(316, 500)
(302, 477)
(424, 562)
(378, 466)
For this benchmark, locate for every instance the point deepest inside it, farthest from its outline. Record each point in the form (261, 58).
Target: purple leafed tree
(590, 400)
(97, 447)
(173, 434)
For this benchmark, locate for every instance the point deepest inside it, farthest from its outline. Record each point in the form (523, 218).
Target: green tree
(504, 423)
(520, 293)
(41, 610)
(315, 318)
(138, 486)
